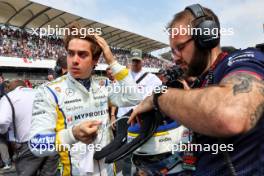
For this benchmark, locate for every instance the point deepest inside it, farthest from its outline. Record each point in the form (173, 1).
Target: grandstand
(25, 54)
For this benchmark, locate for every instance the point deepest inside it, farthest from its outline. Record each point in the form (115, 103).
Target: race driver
(73, 109)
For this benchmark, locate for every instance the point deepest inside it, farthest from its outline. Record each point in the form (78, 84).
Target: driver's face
(79, 59)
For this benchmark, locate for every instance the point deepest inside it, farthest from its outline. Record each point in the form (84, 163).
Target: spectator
(20, 43)
(50, 77)
(61, 66)
(22, 100)
(6, 86)
(146, 83)
(4, 153)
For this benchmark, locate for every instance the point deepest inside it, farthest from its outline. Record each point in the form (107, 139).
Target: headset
(260, 47)
(206, 39)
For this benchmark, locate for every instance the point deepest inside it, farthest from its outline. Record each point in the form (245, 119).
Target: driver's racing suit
(63, 103)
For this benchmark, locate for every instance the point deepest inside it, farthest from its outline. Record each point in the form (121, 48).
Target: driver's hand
(86, 131)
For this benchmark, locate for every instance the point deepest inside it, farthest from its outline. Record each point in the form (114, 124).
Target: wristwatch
(158, 91)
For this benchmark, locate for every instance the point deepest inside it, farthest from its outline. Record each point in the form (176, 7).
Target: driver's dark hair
(73, 32)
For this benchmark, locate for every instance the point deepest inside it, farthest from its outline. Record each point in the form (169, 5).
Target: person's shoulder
(56, 85)
(28, 90)
(20, 92)
(246, 55)
(249, 60)
(58, 81)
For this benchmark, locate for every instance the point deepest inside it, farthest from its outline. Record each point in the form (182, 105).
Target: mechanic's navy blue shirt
(248, 154)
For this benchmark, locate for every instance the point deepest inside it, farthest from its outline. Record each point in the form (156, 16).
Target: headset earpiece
(205, 34)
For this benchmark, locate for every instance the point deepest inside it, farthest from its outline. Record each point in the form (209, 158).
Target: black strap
(148, 127)
(228, 161)
(141, 77)
(13, 115)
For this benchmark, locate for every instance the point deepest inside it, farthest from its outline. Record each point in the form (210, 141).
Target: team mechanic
(71, 109)
(229, 111)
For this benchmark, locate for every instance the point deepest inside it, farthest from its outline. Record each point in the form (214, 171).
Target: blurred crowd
(123, 56)
(15, 42)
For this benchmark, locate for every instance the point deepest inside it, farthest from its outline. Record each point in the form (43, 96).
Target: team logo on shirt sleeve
(241, 57)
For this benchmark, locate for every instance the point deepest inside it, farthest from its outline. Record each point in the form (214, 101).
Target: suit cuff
(119, 71)
(66, 136)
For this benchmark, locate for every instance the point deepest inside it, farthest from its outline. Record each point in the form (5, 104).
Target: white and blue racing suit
(63, 103)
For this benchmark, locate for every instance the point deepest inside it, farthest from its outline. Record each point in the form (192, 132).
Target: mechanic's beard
(199, 62)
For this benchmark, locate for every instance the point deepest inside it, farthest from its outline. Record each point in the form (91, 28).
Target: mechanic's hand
(86, 131)
(145, 106)
(109, 58)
